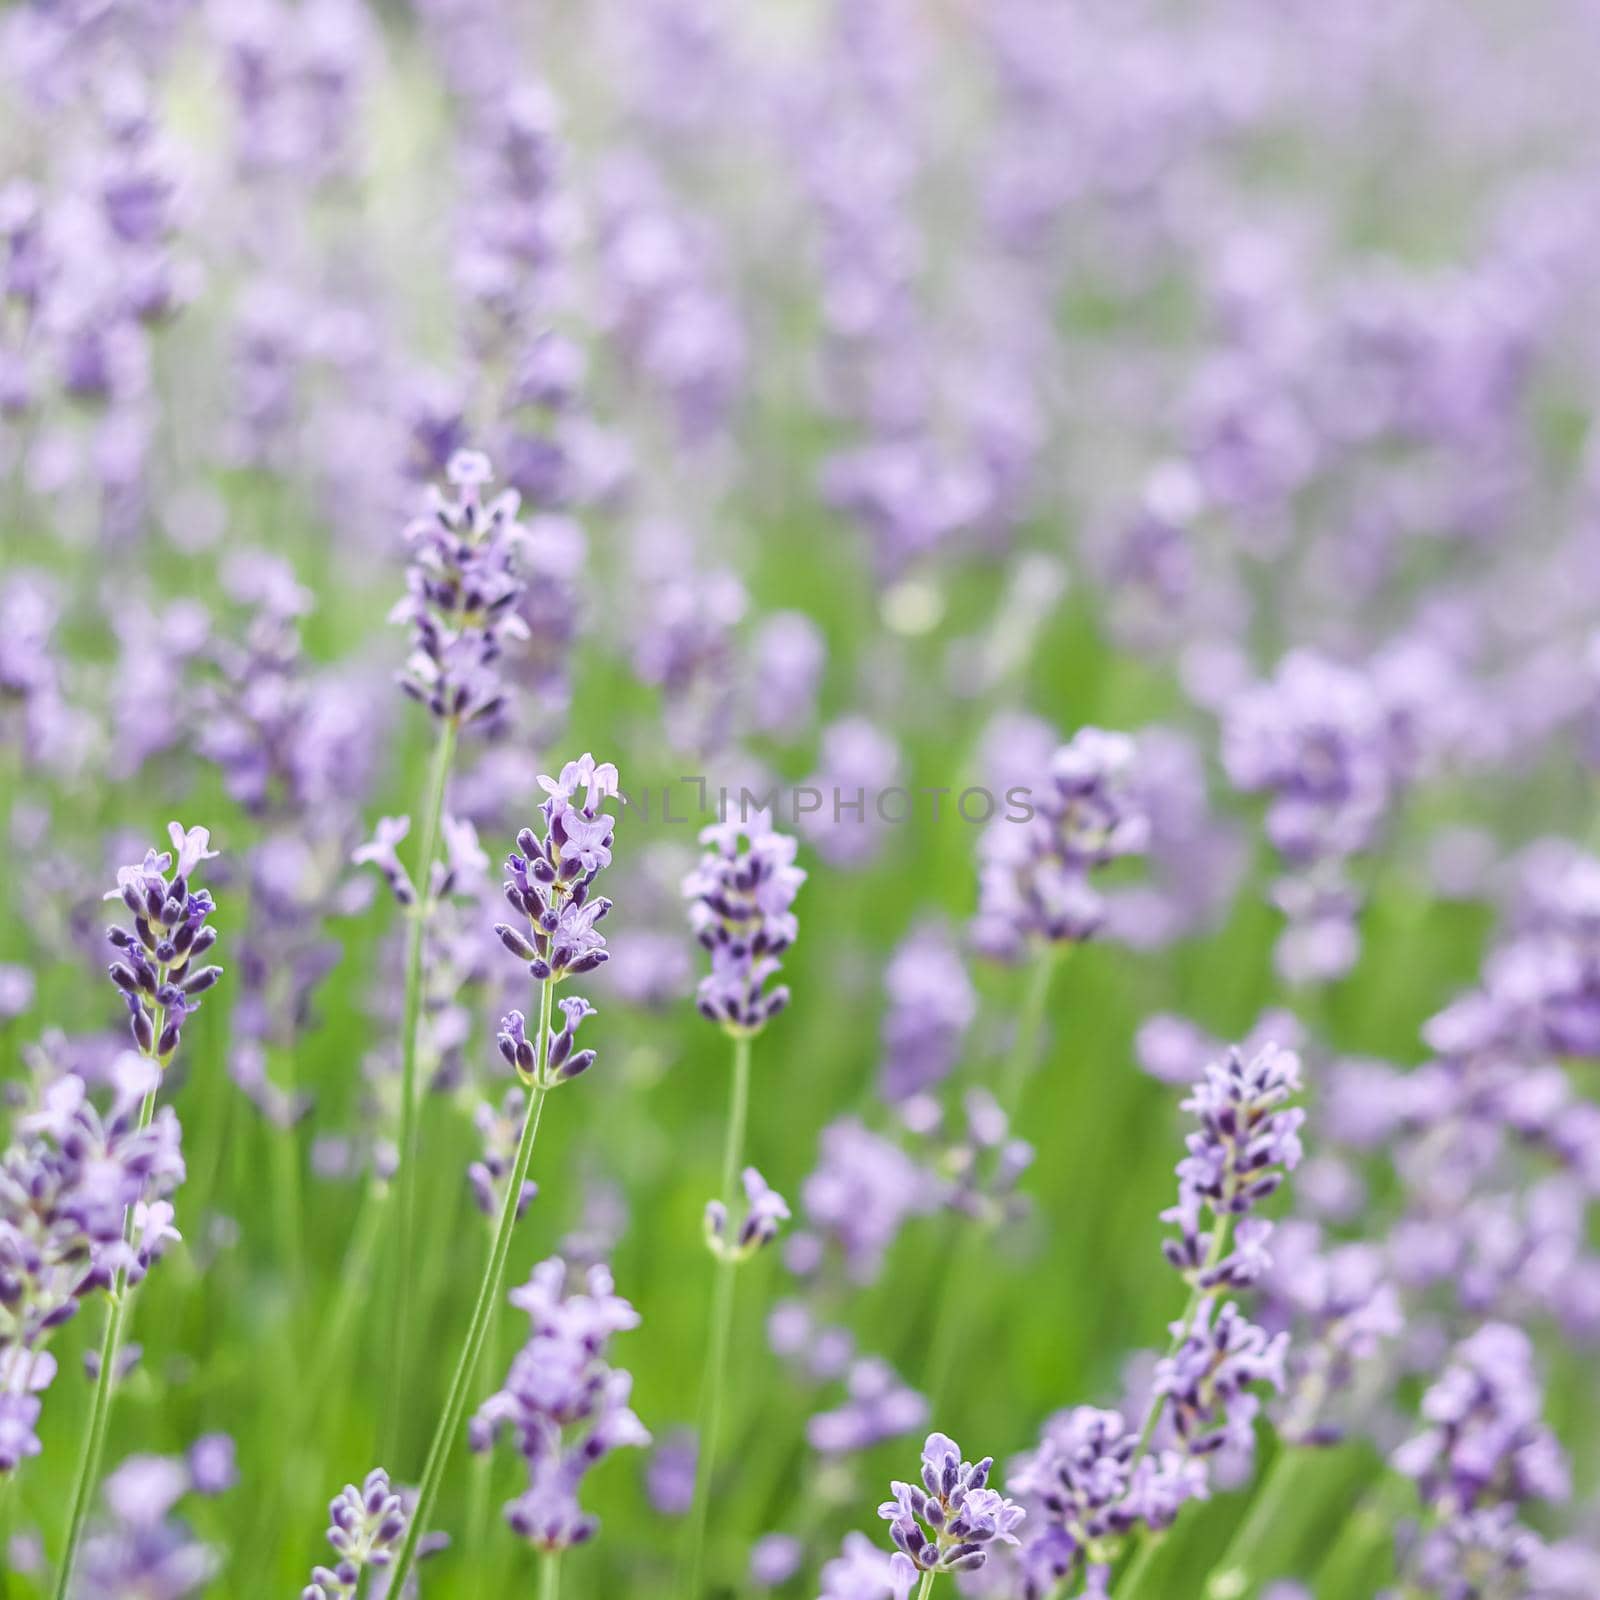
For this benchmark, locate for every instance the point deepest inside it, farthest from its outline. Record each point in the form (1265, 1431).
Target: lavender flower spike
(551, 881)
(1034, 879)
(739, 908)
(765, 1210)
(947, 1522)
(365, 1529)
(463, 587)
(159, 971)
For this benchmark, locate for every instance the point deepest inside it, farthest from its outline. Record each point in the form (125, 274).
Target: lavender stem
(550, 1576)
(94, 1442)
(721, 1321)
(925, 1588)
(483, 1309)
(411, 1027)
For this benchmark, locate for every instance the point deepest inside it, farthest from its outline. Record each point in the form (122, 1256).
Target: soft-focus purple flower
(765, 1212)
(878, 1405)
(1034, 881)
(861, 1571)
(931, 1004)
(463, 586)
(774, 1559)
(740, 909)
(669, 1478)
(788, 653)
(563, 1406)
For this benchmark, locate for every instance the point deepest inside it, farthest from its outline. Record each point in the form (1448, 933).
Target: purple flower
(739, 909)
(563, 1406)
(550, 883)
(765, 1211)
(945, 1523)
(863, 1191)
(1485, 1440)
(1034, 879)
(463, 588)
(366, 1528)
(500, 1129)
(878, 1405)
(669, 1479)
(774, 1559)
(861, 1571)
(931, 1005)
(145, 1550)
(788, 654)
(158, 972)
(1246, 1141)
(1209, 1377)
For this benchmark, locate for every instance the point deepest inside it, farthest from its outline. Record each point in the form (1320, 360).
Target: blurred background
(891, 389)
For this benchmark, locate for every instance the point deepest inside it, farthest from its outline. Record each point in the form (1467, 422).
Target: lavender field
(800, 799)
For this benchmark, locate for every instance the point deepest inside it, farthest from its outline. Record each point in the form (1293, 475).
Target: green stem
(926, 1586)
(711, 1389)
(1138, 1568)
(410, 1045)
(961, 1261)
(550, 1576)
(94, 1441)
(1233, 1576)
(455, 1405)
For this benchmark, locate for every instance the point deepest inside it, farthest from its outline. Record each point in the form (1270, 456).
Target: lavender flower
(500, 1130)
(739, 909)
(1034, 882)
(774, 1559)
(1209, 1377)
(563, 1406)
(765, 1211)
(463, 588)
(878, 1405)
(1485, 1440)
(931, 1005)
(144, 1550)
(862, 1571)
(366, 1526)
(157, 974)
(550, 882)
(669, 1479)
(66, 1186)
(946, 1523)
(1246, 1141)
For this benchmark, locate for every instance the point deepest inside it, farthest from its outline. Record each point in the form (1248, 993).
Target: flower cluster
(1034, 883)
(948, 1521)
(551, 881)
(765, 1211)
(740, 910)
(67, 1184)
(463, 585)
(1091, 1485)
(143, 1548)
(1209, 1377)
(157, 971)
(931, 1004)
(564, 1407)
(1484, 1452)
(1247, 1139)
(365, 1527)
(561, 1062)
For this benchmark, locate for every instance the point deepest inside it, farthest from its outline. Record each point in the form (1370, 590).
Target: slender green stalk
(926, 1586)
(550, 1576)
(455, 1405)
(94, 1440)
(410, 1045)
(1138, 1569)
(961, 1259)
(1233, 1575)
(713, 1383)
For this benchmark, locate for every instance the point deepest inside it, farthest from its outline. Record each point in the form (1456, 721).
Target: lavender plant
(161, 974)
(740, 904)
(550, 886)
